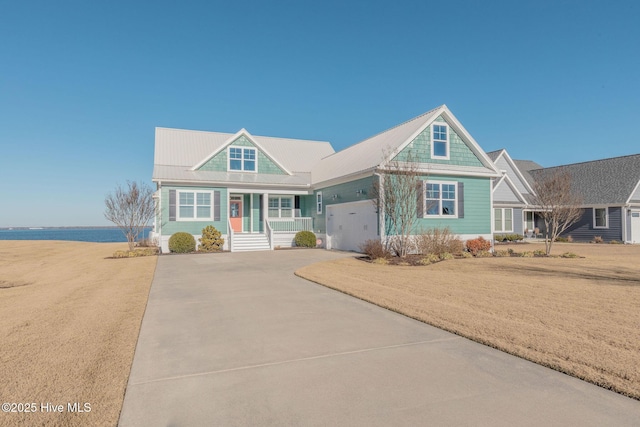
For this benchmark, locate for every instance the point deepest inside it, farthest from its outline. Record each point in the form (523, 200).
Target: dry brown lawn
(578, 316)
(69, 326)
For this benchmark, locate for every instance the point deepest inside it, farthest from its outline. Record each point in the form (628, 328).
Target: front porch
(249, 227)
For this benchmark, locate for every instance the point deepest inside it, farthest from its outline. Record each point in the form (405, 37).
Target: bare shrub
(374, 249)
(438, 241)
(130, 209)
(598, 239)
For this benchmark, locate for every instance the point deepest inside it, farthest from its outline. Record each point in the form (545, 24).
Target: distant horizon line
(59, 227)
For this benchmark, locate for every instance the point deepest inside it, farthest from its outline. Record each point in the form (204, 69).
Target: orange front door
(235, 214)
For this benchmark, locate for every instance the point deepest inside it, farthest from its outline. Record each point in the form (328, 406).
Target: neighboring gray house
(610, 189)
(513, 208)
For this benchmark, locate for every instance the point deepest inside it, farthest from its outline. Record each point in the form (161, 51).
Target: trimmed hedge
(305, 239)
(182, 243)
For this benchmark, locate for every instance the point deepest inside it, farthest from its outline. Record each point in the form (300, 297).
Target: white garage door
(351, 224)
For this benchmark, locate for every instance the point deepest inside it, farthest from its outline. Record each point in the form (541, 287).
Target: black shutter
(261, 209)
(461, 200)
(420, 199)
(172, 205)
(216, 206)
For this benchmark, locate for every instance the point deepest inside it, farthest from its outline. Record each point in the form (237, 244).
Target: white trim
(606, 217)
(237, 198)
(319, 202)
(251, 212)
(242, 159)
(633, 192)
(440, 214)
(447, 141)
(280, 198)
(195, 205)
(515, 168)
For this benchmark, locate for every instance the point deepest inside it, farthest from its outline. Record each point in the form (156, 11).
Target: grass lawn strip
(69, 331)
(578, 316)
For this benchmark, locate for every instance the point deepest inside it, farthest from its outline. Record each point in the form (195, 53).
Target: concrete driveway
(237, 339)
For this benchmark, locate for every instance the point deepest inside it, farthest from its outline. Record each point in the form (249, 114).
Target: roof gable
(189, 148)
(242, 138)
(376, 151)
(504, 163)
(505, 191)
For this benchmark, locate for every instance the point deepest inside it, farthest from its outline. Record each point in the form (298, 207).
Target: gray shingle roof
(525, 166)
(493, 155)
(606, 181)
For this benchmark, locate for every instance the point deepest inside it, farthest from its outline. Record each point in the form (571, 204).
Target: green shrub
(527, 254)
(467, 255)
(136, 253)
(483, 254)
(539, 252)
(374, 249)
(562, 239)
(446, 255)
(569, 255)
(502, 253)
(380, 261)
(182, 243)
(305, 239)
(515, 237)
(429, 259)
(211, 240)
(476, 245)
(500, 237)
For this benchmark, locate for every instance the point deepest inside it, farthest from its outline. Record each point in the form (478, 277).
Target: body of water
(78, 234)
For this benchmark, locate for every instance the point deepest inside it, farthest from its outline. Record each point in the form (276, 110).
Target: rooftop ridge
(231, 134)
(591, 161)
(385, 131)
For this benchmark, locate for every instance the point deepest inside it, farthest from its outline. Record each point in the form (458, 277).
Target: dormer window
(242, 159)
(440, 141)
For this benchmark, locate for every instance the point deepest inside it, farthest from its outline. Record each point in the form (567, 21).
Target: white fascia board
(498, 182)
(227, 184)
(633, 192)
(413, 136)
(229, 141)
(446, 172)
(345, 178)
(515, 168)
(475, 147)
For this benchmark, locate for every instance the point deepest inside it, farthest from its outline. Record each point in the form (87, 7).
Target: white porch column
(251, 212)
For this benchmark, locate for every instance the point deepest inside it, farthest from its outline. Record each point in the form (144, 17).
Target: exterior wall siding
(502, 164)
(193, 227)
(460, 154)
(218, 162)
(504, 193)
(518, 222)
(345, 193)
(583, 230)
(477, 208)
(635, 197)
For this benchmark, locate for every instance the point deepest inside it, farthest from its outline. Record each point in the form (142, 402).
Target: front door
(235, 214)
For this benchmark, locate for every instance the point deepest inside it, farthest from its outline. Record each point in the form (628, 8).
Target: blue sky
(84, 84)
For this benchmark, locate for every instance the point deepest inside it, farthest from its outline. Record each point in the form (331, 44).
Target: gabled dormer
(241, 153)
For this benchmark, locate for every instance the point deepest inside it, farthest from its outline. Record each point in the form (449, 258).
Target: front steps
(244, 242)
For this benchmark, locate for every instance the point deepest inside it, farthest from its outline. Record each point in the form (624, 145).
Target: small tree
(559, 206)
(130, 209)
(395, 195)
(211, 240)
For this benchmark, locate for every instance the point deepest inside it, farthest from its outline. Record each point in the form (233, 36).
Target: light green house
(259, 191)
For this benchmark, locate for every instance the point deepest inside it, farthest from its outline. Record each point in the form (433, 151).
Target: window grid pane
(186, 211)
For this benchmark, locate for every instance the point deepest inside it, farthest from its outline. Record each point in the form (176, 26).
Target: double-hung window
(242, 159)
(440, 141)
(503, 219)
(600, 217)
(280, 207)
(194, 205)
(441, 199)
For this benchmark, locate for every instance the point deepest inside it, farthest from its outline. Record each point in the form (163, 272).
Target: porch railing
(290, 225)
(230, 235)
(269, 231)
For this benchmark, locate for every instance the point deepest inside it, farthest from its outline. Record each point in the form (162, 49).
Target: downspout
(381, 218)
